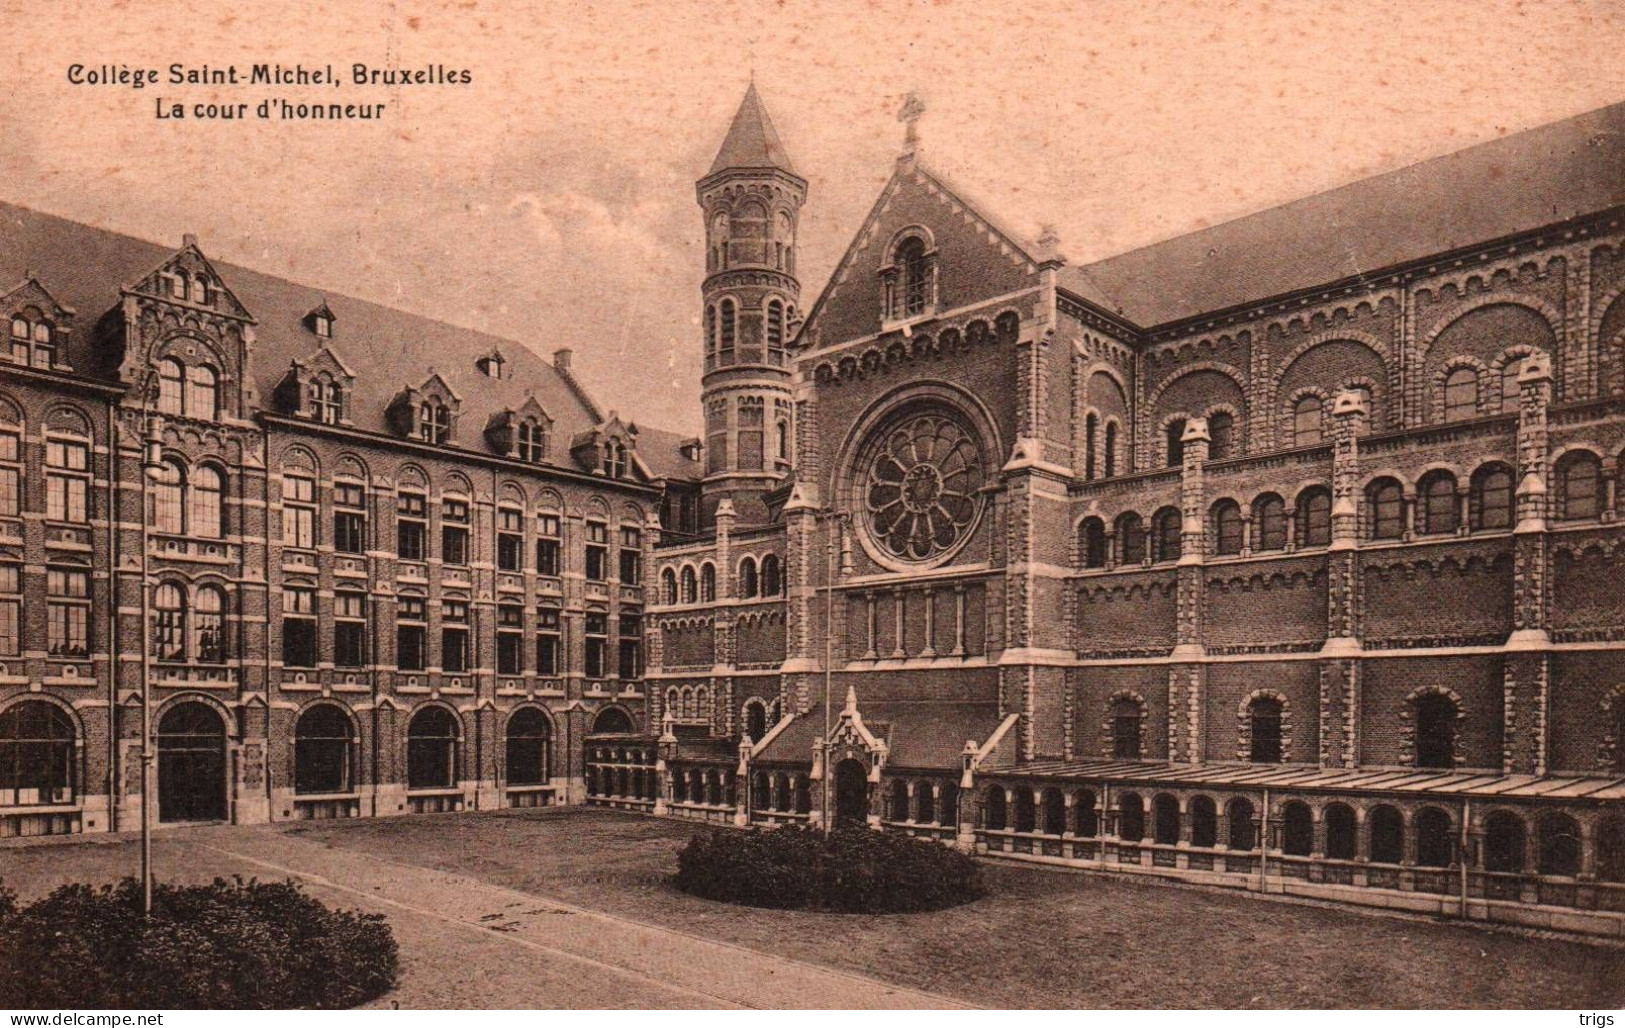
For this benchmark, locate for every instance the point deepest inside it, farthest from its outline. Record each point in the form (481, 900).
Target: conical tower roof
(752, 141)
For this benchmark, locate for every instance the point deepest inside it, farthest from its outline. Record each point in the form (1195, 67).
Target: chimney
(188, 240)
(561, 359)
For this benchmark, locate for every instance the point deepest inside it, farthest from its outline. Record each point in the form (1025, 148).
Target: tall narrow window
(1510, 391)
(631, 646)
(11, 610)
(349, 629)
(1126, 718)
(299, 512)
(547, 641)
(1110, 454)
(668, 587)
(411, 525)
(67, 481)
(168, 623)
(691, 589)
(772, 581)
(1490, 498)
(454, 531)
(597, 551)
(1315, 517)
(349, 517)
(434, 423)
(1091, 425)
(202, 393)
(19, 339)
(510, 539)
(1165, 535)
(1175, 433)
(67, 612)
(532, 442)
(1436, 716)
(1269, 523)
(775, 332)
(326, 401)
(510, 639)
(1227, 528)
(298, 627)
(528, 736)
(1221, 431)
(1387, 509)
(915, 271)
(322, 751)
(708, 584)
(716, 436)
(431, 750)
(1440, 510)
(547, 544)
(1130, 539)
(752, 421)
(1092, 542)
(1579, 481)
(171, 387)
(1264, 724)
(597, 633)
(454, 637)
(168, 499)
(1461, 394)
(204, 512)
(11, 471)
(209, 625)
(747, 578)
(615, 463)
(631, 556)
(411, 634)
(710, 333)
(730, 328)
(1306, 421)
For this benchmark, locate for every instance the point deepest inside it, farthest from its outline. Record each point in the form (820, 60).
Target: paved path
(467, 943)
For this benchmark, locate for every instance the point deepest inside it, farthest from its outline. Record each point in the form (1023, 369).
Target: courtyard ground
(573, 908)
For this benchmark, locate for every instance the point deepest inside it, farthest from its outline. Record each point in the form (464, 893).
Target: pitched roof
(918, 733)
(386, 349)
(1514, 184)
(752, 141)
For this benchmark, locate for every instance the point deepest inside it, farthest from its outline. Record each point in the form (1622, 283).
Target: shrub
(227, 945)
(853, 869)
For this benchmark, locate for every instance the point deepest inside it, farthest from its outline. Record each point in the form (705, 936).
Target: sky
(551, 200)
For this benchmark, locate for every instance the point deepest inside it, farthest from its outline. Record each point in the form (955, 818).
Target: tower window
(729, 315)
(775, 332)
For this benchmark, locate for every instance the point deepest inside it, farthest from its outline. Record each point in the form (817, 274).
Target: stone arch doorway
(851, 792)
(191, 764)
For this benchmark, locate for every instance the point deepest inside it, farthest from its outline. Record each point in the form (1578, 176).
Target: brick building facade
(1284, 555)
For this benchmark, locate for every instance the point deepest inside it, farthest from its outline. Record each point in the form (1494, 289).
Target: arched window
(1227, 528)
(1026, 815)
(529, 733)
(775, 331)
(1175, 433)
(925, 807)
(755, 720)
(168, 622)
(1131, 818)
(1297, 829)
(1611, 849)
(1579, 481)
(1341, 831)
(747, 578)
(1239, 812)
(1165, 526)
(1054, 805)
(1436, 716)
(915, 271)
(1204, 822)
(1461, 394)
(1130, 538)
(323, 751)
(1092, 542)
(202, 393)
(1269, 523)
(668, 586)
(612, 721)
(711, 330)
(691, 591)
(772, 581)
(171, 379)
(1387, 509)
(1110, 454)
(532, 447)
(899, 800)
(1221, 429)
(993, 809)
(1085, 815)
(729, 313)
(1127, 715)
(431, 749)
(1264, 724)
(44, 346)
(203, 507)
(168, 499)
(209, 625)
(1438, 509)
(1435, 839)
(782, 430)
(1091, 425)
(1315, 517)
(37, 761)
(708, 584)
(1489, 498)
(1559, 845)
(1306, 421)
(1387, 828)
(1504, 841)
(1165, 820)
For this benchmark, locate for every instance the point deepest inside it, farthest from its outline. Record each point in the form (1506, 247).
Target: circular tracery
(920, 479)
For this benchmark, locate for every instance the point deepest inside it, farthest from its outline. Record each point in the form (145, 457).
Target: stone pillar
(805, 561)
(1527, 662)
(1187, 682)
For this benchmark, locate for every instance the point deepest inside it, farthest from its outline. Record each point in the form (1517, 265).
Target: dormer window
(491, 365)
(532, 443)
(615, 459)
(326, 401)
(434, 423)
(324, 326)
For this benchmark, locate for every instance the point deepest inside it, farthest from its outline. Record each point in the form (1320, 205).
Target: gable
(976, 260)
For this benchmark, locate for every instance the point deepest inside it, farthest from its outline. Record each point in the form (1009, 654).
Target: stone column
(1187, 683)
(1526, 669)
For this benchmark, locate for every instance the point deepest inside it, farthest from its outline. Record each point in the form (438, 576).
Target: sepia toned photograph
(786, 505)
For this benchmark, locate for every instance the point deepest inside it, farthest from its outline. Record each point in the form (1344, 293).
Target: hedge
(228, 945)
(853, 869)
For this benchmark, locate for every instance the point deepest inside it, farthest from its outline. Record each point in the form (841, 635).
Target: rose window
(920, 486)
